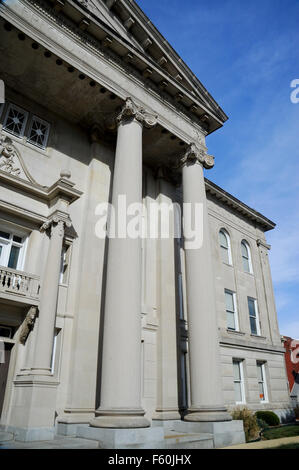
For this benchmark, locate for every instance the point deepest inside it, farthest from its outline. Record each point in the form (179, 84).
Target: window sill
(235, 332)
(227, 264)
(258, 336)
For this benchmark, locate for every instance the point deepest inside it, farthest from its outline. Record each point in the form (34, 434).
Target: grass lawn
(283, 431)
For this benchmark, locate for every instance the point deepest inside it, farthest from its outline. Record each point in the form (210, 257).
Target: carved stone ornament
(11, 161)
(28, 324)
(194, 154)
(62, 220)
(131, 111)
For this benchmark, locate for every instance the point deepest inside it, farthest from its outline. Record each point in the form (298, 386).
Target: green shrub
(262, 424)
(269, 417)
(249, 419)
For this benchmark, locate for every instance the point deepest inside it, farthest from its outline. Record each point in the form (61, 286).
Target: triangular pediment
(126, 19)
(101, 11)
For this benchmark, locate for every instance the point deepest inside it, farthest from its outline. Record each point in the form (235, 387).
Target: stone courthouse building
(129, 341)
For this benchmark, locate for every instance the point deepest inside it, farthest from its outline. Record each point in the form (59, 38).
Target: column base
(33, 407)
(208, 414)
(120, 419)
(123, 438)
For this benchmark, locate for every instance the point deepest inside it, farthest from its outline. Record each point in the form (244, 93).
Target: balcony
(19, 286)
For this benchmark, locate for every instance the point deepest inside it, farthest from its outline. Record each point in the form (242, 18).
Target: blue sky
(246, 54)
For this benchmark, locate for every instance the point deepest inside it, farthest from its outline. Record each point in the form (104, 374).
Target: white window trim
(18, 108)
(229, 250)
(263, 368)
(234, 295)
(242, 382)
(15, 230)
(257, 316)
(249, 257)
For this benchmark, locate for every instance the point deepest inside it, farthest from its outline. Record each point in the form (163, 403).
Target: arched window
(225, 249)
(246, 257)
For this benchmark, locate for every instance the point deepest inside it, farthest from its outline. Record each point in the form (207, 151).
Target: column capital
(56, 218)
(130, 111)
(195, 154)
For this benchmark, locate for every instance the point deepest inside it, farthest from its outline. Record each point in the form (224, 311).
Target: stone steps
(174, 440)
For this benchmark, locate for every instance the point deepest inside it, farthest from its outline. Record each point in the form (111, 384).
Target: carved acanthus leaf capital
(131, 111)
(195, 154)
(57, 219)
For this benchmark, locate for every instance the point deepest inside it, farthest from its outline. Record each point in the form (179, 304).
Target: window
(15, 120)
(239, 381)
(261, 375)
(225, 248)
(253, 317)
(38, 132)
(11, 249)
(65, 264)
(231, 311)
(246, 257)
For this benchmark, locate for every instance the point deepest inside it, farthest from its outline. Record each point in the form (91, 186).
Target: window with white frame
(239, 381)
(225, 248)
(253, 317)
(15, 120)
(12, 248)
(261, 375)
(38, 132)
(231, 311)
(246, 257)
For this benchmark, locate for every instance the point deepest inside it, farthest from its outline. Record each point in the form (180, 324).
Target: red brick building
(292, 364)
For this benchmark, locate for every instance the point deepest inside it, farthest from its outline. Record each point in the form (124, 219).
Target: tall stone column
(167, 390)
(121, 369)
(48, 298)
(205, 388)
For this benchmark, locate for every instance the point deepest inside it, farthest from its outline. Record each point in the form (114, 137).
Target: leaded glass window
(38, 132)
(15, 120)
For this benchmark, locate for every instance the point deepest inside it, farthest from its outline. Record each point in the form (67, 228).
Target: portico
(127, 342)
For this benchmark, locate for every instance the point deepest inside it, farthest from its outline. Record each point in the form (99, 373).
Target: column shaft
(48, 302)
(205, 377)
(121, 369)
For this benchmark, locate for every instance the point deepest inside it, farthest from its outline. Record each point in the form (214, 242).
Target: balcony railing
(19, 283)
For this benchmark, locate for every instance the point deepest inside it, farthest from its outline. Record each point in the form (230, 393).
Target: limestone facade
(119, 333)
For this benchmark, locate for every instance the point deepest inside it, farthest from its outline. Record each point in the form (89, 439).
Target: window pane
(261, 391)
(224, 255)
(246, 265)
(38, 133)
(251, 306)
(4, 235)
(260, 372)
(13, 257)
(223, 239)
(244, 250)
(237, 372)
(231, 324)
(17, 239)
(229, 301)
(15, 120)
(253, 326)
(238, 393)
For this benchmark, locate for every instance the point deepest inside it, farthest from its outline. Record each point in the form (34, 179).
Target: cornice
(97, 47)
